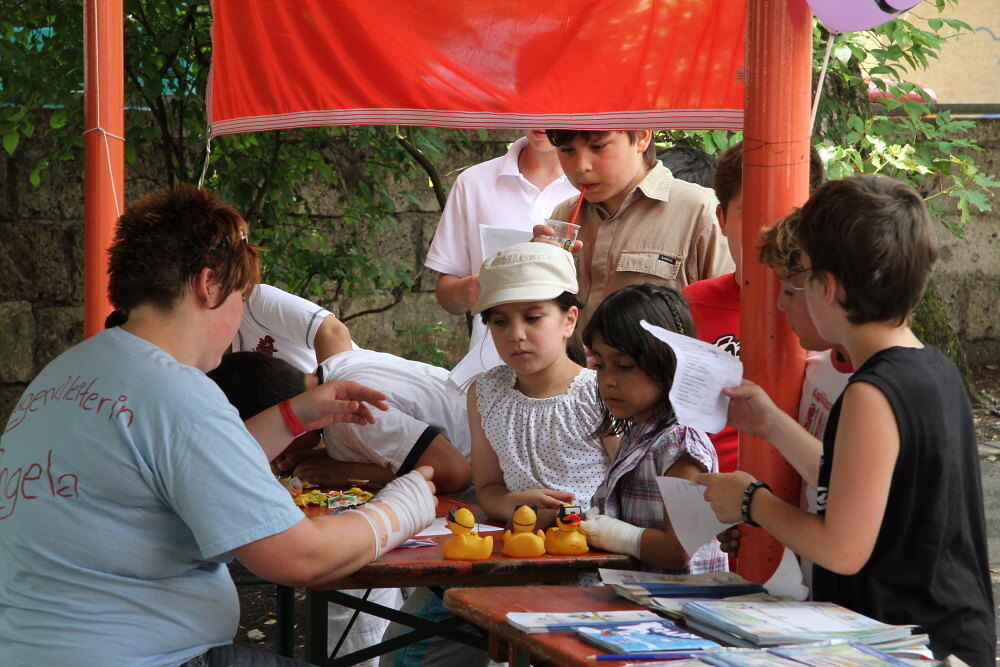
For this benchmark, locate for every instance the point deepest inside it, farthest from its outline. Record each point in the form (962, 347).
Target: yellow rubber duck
(524, 541)
(565, 537)
(465, 543)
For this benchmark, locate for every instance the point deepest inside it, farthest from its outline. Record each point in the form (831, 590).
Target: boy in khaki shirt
(638, 224)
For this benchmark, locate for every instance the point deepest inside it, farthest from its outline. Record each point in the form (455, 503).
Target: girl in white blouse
(533, 421)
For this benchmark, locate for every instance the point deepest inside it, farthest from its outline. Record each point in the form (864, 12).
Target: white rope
(104, 133)
(822, 78)
(204, 165)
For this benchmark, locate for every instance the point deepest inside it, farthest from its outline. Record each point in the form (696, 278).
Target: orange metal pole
(775, 179)
(103, 151)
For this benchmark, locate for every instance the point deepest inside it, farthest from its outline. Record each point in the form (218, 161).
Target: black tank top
(929, 566)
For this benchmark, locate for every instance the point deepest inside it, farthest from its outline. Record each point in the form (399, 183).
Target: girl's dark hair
(115, 319)
(616, 324)
(165, 239)
(574, 349)
(254, 381)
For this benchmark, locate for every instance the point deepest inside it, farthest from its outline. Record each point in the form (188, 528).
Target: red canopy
(499, 63)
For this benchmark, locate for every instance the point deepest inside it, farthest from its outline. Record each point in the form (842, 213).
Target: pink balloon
(855, 15)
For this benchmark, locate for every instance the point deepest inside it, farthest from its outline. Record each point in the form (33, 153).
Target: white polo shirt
(281, 324)
(422, 404)
(492, 193)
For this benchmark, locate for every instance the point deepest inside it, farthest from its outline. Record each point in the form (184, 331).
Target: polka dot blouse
(544, 442)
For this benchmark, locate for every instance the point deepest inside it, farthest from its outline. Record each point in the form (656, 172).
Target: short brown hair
(873, 234)
(563, 137)
(728, 181)
(165, 239)
(777, 248)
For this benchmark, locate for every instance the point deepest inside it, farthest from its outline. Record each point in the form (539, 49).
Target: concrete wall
(41, 255)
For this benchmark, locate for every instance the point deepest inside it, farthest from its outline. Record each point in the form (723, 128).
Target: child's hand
(337, 401)
(286, 462)
(542, 234)
(729, 540)
(725, 493)
(751, 410)
(543, 498)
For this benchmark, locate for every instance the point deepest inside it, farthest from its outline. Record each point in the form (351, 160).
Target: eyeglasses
(796, 282)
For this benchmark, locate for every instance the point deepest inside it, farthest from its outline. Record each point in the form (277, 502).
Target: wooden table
(424, 566)
(488, 607)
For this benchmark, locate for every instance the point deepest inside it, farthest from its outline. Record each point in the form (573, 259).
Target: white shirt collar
(508, 164)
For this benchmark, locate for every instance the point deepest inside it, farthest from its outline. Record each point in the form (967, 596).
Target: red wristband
(291, 421)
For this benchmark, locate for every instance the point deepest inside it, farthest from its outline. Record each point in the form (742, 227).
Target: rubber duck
(524, 541)
(465, 543)
(565, 537)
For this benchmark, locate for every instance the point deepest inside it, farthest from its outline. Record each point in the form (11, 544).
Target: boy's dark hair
(254, 381)
(563, 137)
(728, 181)
(873, 234)
(689, 164)
(165, 239)
(566, 300)
(616, 324)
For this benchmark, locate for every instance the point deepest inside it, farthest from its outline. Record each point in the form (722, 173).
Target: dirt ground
(257, 602)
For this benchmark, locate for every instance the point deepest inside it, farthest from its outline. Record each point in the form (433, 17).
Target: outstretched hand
(337, 401)
(543, 498)
(725, 493)
(751, 410)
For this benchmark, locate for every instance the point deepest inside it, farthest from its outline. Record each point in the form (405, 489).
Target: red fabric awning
(597, 64)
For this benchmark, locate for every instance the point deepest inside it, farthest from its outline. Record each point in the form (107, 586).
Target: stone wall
(41, 274)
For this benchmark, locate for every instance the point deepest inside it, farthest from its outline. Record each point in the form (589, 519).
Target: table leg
(422, 629)
(519, 657)
(316, 627)
(285, 626)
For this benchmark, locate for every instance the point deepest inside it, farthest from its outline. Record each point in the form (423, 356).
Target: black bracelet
(747, 498)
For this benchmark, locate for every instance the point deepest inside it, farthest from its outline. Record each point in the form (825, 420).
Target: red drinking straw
(579, 203)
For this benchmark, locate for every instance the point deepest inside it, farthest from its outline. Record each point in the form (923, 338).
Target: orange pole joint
(103, 151)
(775, 180)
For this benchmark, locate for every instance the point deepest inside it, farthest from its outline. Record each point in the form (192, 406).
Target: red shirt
(715, 308)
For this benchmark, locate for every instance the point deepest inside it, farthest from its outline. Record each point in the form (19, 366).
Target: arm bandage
(409, 501)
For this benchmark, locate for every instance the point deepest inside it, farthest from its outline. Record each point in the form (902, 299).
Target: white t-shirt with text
(281, 324)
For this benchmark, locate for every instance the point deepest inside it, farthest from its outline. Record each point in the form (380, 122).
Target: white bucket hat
(525, 272)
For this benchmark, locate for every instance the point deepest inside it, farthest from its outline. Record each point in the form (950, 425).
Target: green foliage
(424, 343)
(273, 178)
(904, 140)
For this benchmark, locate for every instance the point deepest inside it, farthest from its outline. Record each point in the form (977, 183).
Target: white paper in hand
(787, 579)
(703, 371)
(691, 516)
(494, 239)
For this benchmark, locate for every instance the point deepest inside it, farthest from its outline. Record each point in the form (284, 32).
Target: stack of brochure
(643, 638)
(755, 624)
(640, 587)
(821, 654)
(533, 623)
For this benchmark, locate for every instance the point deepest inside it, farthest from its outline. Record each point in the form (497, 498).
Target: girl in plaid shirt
(634, 374)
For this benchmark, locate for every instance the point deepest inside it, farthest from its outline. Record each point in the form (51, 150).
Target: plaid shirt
(630, 492)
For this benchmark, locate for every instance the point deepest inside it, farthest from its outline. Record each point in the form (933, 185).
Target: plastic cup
(564, 233)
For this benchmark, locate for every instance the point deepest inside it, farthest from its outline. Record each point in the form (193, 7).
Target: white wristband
(410, 499)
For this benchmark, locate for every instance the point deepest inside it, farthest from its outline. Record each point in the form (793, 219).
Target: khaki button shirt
(665, 233)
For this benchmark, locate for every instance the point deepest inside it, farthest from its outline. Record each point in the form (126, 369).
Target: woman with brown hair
(129, 480)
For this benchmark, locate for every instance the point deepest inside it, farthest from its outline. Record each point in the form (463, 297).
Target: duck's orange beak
(571, 520)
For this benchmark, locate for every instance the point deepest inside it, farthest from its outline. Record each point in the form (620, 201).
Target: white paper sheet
(787, 579)
(703, 371)
(440, 527)
(691, 516)
(494, 239)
